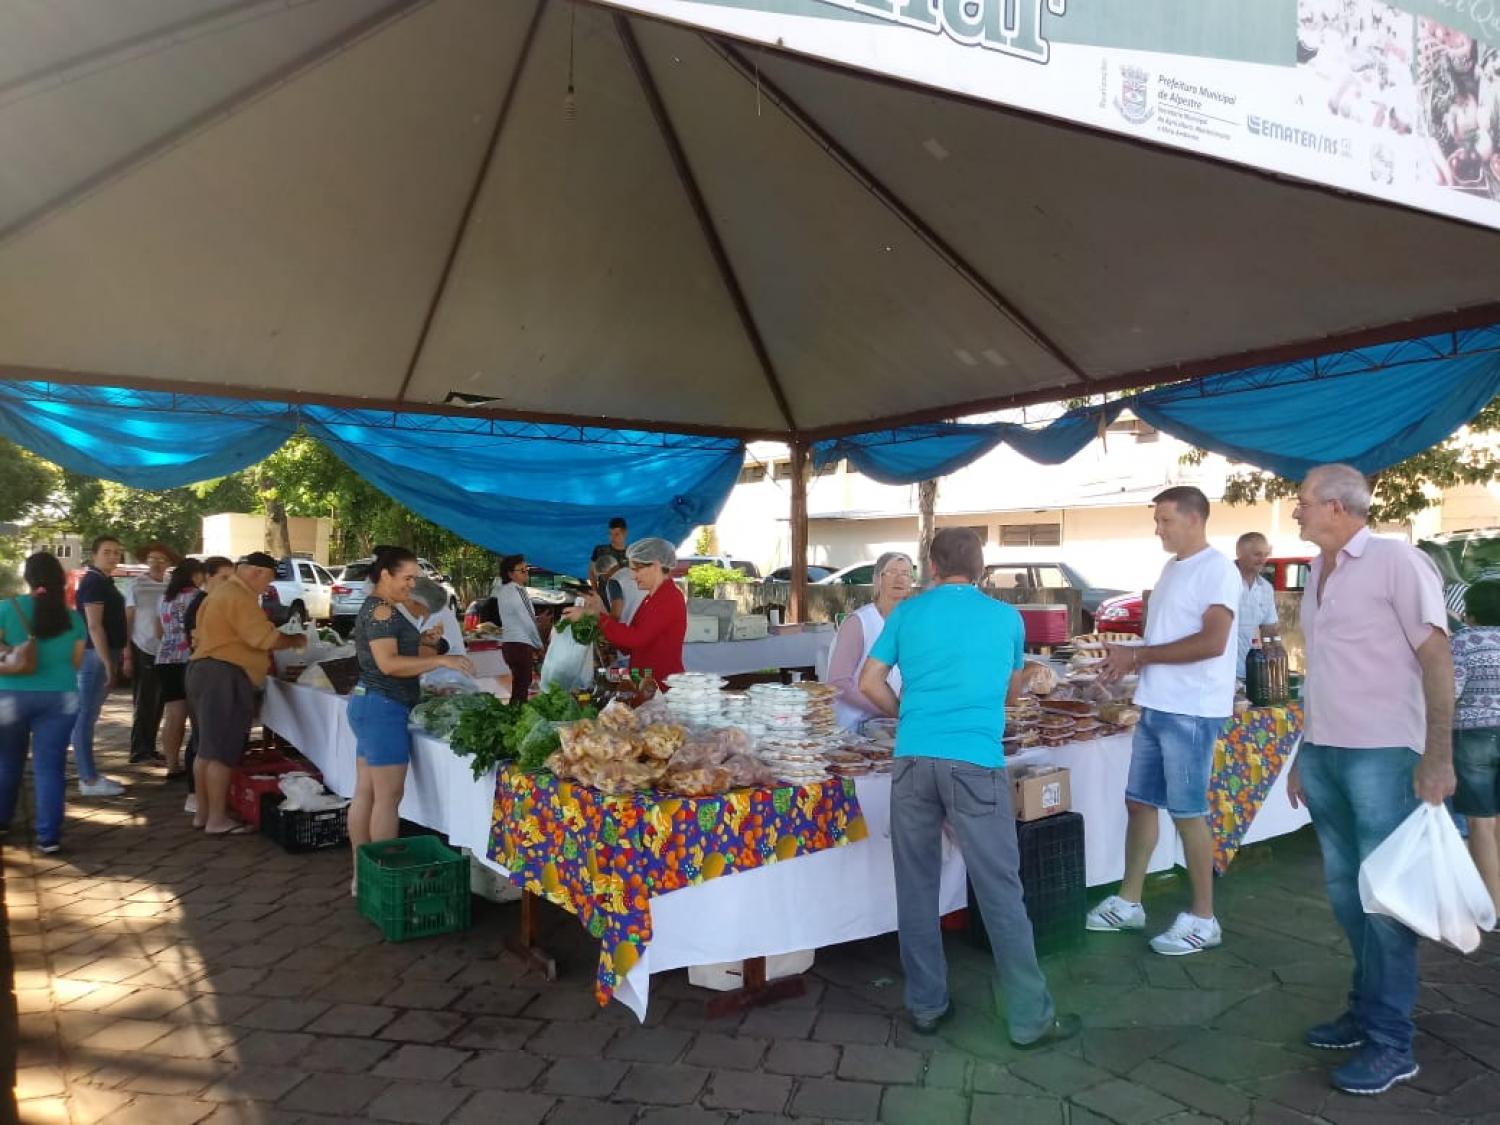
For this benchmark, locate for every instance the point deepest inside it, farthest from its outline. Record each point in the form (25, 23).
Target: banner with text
(1399, 101)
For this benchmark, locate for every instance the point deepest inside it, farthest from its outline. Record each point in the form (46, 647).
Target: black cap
(258, 558)
(618, 521)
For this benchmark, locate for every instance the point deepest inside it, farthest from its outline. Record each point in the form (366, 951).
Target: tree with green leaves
(1407, 487)
(27, 483)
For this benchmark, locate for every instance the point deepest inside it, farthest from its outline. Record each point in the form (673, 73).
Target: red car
(1123, 614)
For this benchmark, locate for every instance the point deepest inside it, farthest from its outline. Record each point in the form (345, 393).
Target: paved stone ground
(161, 978)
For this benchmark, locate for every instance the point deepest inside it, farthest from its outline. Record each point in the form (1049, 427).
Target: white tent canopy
(398, 201)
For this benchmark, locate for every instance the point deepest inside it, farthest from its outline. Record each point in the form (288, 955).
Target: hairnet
(430, 594)
(652, 551)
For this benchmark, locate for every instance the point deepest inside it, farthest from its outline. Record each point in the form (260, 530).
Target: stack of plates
(694, 698)
(794, 727)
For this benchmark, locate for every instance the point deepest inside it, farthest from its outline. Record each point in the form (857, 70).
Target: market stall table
(826, 898)
(833, 896)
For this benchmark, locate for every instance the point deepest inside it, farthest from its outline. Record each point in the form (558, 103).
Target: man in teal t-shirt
(958, 650)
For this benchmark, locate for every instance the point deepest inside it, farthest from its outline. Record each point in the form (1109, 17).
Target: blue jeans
(976, 801)
(44, 721)
(93, 689)
(1357, 798)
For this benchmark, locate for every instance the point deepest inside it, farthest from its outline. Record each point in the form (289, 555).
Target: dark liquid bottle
(1257, 675)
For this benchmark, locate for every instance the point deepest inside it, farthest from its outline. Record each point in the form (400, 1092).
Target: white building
(1092, 512)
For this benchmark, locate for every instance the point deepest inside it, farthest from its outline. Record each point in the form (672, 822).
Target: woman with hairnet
(655, 636)
(856, 637)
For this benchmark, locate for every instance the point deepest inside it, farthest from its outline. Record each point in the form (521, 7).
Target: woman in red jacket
(655, 636)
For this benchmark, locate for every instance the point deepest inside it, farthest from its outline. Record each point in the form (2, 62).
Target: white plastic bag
(1422, 876)
(569, 665)
(448, 681)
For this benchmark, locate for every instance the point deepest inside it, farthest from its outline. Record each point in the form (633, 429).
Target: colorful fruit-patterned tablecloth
(1247, 760)
(602, 857)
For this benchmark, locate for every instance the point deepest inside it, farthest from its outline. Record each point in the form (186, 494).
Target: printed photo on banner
(1359, 53)
(1458, 79)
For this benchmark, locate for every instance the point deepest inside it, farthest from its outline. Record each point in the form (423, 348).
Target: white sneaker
(191, 804)
(1116, 914)
(101, 786)
(1189, 934)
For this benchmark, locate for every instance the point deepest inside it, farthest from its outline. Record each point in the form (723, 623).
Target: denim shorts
(379, 724)
(1171, 759)
(1476, 761)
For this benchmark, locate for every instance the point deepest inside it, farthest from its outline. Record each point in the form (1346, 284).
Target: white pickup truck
(305, 590)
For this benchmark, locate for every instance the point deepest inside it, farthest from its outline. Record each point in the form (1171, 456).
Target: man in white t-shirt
(1186, 692)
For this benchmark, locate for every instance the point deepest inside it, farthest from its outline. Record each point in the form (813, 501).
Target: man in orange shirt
(231, 644)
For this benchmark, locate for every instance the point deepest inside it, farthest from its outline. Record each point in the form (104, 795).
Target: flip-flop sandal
(237, 830)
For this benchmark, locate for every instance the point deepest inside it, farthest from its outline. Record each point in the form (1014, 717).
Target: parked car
(1125, 612)
(348, 592)
(124, 575)
(549, 589)
(1050, 576)
(815, 574)
(857, 574)
(1463, 558)
(305, 588)
(687, 562)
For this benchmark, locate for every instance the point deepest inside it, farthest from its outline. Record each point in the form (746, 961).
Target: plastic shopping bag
(1422, 876)
(569, 665)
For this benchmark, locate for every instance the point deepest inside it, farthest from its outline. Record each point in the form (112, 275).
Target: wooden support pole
(797, 609)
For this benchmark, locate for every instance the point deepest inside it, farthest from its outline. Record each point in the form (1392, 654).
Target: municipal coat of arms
(1134, 102)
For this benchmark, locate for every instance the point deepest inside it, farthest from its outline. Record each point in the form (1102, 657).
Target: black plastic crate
(1052, 880)
(300, 831)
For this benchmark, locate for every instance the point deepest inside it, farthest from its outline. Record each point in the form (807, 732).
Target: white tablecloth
(835, 896)
(1096, 774)
(736, 658)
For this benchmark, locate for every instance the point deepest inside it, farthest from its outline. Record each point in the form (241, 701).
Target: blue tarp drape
(550, 490)
(546, 490)
(1368, 407)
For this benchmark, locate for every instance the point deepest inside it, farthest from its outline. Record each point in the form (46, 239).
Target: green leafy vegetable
(481, 732)
(487, 731)
(585, 630)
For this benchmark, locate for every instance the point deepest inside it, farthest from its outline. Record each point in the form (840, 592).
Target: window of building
(783, 470)
(753, 473)
(1030, 534)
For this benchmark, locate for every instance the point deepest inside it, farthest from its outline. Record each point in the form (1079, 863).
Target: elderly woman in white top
(520, 639)
(856, 636)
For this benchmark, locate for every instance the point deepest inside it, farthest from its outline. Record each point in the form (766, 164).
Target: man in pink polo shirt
(1379, 713)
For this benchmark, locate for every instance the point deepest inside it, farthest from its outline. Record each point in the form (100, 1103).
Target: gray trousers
(976, 802)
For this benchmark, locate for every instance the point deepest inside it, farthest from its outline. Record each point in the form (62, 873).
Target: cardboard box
(701, 629)
(1039, 791)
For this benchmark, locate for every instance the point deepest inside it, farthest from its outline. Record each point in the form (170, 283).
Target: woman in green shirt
(38, 709)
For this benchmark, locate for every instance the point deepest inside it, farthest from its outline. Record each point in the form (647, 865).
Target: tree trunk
(797, 602)
(278, 530)
(926, 514)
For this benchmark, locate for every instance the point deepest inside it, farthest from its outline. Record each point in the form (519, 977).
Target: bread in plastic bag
(1422, 875)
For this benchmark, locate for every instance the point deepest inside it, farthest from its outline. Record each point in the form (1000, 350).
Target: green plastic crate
(413, 887)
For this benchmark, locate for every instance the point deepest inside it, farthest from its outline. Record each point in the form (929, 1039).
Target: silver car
(349, 591)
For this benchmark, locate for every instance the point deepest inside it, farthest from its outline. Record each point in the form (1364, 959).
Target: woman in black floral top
(1476, 727)
(392, 657)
